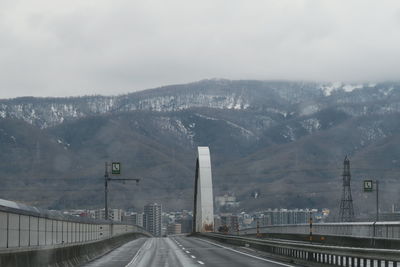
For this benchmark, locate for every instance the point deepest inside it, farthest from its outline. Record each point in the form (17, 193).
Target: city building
(130, 218)
(286, 216)
(186, 222)
(113, 214)
(230, 221)
(174, 229)
(140, 219)
(152, 218)
(226, 203)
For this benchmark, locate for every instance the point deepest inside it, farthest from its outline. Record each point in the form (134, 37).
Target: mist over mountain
(286, 140)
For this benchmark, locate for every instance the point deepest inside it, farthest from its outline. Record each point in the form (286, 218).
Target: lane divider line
(249, 255)
(192, 256)
(136, 255)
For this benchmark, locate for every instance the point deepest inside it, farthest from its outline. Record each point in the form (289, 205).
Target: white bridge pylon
(203, 215)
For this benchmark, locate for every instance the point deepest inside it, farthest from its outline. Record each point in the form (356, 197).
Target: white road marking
(200, 262)
(193, 256)
(252, 256)
(187, 251)
(137, 254)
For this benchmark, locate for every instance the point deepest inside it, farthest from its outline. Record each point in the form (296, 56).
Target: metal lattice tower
(346, 213)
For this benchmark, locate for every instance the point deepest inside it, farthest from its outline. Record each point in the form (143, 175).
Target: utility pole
(115, 170)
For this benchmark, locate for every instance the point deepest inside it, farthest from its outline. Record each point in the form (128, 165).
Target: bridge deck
(181, 251)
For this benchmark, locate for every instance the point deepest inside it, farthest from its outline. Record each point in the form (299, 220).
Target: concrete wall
(25, 231)
(30, 237)
(61, 255)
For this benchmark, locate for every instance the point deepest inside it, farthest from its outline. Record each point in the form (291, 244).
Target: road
(180, 251)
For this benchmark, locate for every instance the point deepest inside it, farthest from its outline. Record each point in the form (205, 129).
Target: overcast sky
(77, 47)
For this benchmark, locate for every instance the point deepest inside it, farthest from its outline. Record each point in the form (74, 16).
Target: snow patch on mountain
(309, 109)
(311, 125)
(328, 89)
(350, 88)
(186, 101)
(289, 133)
(277, 111)
(371, 133)
(206, 117)
(245, 132)
(386, 91)
(175, 127)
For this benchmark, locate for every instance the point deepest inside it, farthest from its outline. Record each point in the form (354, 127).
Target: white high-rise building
(140, 219)
(152, 218)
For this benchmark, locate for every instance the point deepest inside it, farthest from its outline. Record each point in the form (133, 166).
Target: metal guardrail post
(8, 229)
(38, 237)
(45, 231)
(311, 229)
(29, 231)
(19, 230)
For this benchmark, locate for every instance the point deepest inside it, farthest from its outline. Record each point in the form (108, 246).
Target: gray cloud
(59, 48)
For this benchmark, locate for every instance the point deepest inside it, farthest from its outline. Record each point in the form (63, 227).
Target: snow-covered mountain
(285, 98)
(261, 133)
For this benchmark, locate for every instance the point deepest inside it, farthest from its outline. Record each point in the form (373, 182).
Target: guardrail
(318, 254)
(23, 226)
(387, 230)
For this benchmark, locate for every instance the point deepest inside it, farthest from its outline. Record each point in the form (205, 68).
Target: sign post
(369, 187)
(115, 170)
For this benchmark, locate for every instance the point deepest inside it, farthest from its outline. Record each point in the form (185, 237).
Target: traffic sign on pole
(116, 168)
(368, 185)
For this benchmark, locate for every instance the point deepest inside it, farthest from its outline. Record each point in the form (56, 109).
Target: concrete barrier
(31, 237)
(71, 255)
(313, 254)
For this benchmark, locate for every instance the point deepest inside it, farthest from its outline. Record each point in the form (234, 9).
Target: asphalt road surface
(180, 251)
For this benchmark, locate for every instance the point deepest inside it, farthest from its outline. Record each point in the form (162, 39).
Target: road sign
(368, 185)
(116, 168)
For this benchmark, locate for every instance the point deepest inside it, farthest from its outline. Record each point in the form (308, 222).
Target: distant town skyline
(73, 48)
